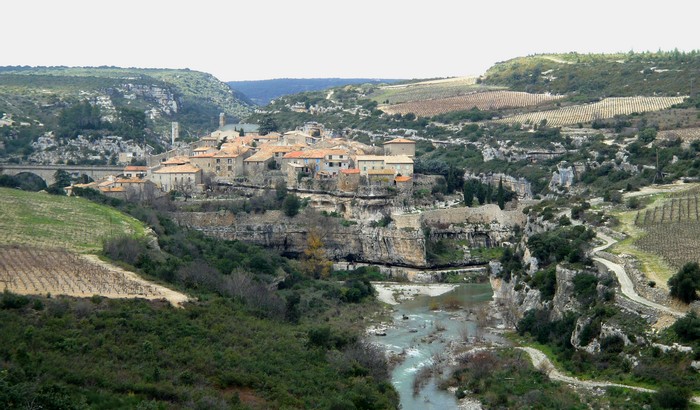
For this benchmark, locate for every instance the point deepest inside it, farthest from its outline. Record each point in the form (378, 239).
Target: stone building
(400, 146)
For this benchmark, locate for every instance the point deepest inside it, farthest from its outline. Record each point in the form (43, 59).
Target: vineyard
(672, 230)
(45, 244)
(488, 100)
(28, 270)
(428, 90)
(584, 113)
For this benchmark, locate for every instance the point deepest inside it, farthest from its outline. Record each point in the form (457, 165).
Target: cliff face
(402, 242)
(287, 235)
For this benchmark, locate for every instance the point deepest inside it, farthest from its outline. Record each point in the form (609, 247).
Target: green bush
(685, 284)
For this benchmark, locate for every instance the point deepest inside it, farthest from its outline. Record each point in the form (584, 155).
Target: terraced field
(585, 113)
(428, 90)
(48, 245)
(487, 100)
(673, 230)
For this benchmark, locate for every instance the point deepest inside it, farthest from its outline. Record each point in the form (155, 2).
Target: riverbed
(427, 319)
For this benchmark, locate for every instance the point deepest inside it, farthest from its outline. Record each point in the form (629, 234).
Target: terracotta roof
(178, 169)
(282, 148)
(202, 149)
(135, 168)
(293, 154)
(231, 152)
(350, 171)
(400, 141)
(130, 181)
(207, 155)
(259, 157)
(176, 161)
(402, 179)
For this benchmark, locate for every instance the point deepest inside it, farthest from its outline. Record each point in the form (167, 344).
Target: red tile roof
(350, 171)
(400, 141)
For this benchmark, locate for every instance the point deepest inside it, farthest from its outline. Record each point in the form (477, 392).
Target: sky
(262, 39)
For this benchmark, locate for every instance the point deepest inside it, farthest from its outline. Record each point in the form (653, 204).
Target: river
(421, 330)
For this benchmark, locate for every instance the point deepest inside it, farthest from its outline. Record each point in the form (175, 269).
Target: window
(218, 160)
(230, 161)
(230, 167)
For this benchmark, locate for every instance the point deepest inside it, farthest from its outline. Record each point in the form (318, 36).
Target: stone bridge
(46, 172)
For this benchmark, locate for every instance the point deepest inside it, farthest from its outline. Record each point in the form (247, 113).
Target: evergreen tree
(500, 195)
(468, 193)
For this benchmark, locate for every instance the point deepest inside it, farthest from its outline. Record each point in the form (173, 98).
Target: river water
(421, 330)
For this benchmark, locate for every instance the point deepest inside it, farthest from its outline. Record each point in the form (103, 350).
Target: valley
(526, 238)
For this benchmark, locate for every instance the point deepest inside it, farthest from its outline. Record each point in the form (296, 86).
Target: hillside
(261, 92)
(127, 102)
(75, 224)
(592, 76)
(240, 342)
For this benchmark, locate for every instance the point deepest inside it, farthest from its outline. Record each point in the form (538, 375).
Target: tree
(685, 284)
(267, 125)
(315, 262)
(280, 190)
(132, 122)
(291, 205)
(468, 193)
(500, 195)
(62, 178)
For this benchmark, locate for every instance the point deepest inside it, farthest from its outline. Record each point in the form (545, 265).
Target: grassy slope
(76, 224)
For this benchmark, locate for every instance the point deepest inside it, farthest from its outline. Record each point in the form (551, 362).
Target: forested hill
(195, 99)
(591, 76)
(261, 92)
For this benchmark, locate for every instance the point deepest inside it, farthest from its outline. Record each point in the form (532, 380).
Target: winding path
(623, 278)
(540, 361)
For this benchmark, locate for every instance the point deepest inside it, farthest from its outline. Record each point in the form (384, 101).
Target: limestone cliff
(384, 245)
(402, 242)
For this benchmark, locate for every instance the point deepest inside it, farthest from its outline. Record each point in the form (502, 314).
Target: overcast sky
(262, 39)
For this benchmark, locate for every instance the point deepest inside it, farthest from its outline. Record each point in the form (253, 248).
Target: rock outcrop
(402, 242)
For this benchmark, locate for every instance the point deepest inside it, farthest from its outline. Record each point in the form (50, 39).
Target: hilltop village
(308, 158)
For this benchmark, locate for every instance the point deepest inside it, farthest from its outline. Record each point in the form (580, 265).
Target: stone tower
(175, 134)
(222, 120)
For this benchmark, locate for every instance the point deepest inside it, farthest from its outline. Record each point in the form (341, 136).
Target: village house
(401, 164)
(257, 164)
(349, 179)
(135, 171)
(298, 137)
(400, 146)
(324, 162)
(177, 177)
(398, 164)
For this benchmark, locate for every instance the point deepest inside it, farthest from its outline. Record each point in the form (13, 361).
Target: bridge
(46, 172)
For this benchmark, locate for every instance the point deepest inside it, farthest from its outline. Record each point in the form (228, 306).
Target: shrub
(13, 301)
(291, 205)
(672, 398)
(685, 284)
(688, 327)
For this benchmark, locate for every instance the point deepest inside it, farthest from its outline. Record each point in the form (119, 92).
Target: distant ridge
(261, 92)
